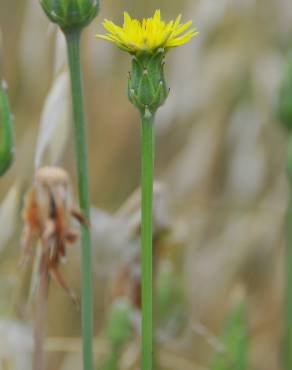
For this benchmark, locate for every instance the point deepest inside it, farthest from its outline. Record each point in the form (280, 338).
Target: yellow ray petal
(149, 34)
(111, 27)
(127, 20)
(182, 39)
(157, 16)
(182, 28)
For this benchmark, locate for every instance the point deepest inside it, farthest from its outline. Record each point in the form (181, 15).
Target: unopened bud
(71, 14)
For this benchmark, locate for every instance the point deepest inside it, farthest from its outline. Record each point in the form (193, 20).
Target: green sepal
(6, 132)
(147, 88)
(71, 14)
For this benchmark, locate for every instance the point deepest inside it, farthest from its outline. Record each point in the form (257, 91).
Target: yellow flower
(148, 35)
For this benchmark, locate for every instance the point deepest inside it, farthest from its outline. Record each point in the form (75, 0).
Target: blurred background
(220, 197)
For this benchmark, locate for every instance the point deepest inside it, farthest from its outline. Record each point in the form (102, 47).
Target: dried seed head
(52, 184)
(47, 216)
(52, 175)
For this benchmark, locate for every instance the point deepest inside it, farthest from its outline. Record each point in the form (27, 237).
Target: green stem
(73, 44)
(147, 163)
(288, 290)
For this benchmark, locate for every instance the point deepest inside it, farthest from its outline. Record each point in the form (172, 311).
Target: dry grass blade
(9, 210)
(54, 122)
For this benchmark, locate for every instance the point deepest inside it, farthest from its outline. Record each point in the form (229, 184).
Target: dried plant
(47, 216)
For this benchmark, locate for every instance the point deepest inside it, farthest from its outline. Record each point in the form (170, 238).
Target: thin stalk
(73, 46)
(41, 316)
(288, 290)
(147, 164)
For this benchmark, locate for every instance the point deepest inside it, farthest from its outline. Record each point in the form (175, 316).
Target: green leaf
(235, 340)
(119, 328)
(6, 132)
(284, 106)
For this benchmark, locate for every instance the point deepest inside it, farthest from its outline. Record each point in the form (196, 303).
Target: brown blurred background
(220, 156)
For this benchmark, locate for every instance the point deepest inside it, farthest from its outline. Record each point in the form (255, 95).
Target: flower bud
(6, 132)
(147, 88)
(71, 14)
(284, 107)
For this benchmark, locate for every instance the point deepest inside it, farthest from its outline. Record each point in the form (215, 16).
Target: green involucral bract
(284, 108)
(6, 132)
(71, 14)
(147, 88)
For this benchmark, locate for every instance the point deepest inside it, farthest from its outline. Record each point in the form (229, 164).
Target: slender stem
(41, 316)
(73, 44)
(147, 163)
(288, 290)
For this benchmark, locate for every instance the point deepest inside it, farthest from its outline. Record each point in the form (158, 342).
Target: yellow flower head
(148, 35)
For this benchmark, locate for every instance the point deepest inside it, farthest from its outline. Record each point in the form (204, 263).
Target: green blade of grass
(235, 341)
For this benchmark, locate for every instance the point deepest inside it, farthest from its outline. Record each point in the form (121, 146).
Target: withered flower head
(47, 218)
